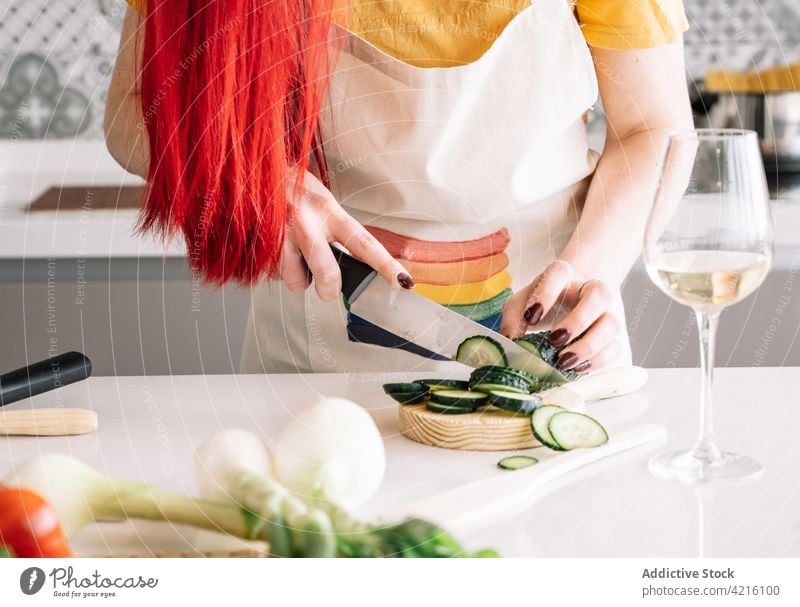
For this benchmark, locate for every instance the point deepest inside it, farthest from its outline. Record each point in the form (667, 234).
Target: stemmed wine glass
(708, 245)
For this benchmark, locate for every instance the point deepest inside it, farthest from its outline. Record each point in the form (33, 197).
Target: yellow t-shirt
(441, 33)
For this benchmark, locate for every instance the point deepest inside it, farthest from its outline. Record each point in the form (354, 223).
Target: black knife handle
(356, 275)
(44, 376)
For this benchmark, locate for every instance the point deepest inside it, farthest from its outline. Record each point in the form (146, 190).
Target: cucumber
(447, 409)
(459, 398)
(409, 398)
(488, 386)
(517, 462)
(479, 351)
(571, 430)
(512, 401)
(499, 376)
(407, 393)
(444, 384)
(527, 345)
(539, 424)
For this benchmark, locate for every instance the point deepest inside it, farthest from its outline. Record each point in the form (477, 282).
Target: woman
(449, 152)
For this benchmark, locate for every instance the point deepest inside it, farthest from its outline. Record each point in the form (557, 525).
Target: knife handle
(44, 376)
(356, 275)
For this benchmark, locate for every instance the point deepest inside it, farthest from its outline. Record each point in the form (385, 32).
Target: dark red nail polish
(405, 280)
(582, 367)
(566, 360)
(559, 337)
(533, 314)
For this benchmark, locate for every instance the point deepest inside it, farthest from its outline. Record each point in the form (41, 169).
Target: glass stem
(705, 449)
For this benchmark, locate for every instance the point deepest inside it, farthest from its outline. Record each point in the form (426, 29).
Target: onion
(331, 450)
(226, 454)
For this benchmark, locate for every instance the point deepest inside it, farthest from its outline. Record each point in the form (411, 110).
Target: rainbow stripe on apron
(469, 277)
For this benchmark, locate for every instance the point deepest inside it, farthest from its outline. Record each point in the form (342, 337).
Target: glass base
(686, 467)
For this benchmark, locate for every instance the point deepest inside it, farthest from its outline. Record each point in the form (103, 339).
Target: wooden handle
(47, 422)
(610, 383)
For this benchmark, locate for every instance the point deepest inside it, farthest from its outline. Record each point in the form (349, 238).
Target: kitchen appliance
(423, 322)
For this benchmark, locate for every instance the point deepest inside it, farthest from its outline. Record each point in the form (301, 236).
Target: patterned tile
(55, 63)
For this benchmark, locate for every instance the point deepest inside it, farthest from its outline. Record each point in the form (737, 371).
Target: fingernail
(566, 360)
(582, 367)
(533, 314)
(559, 337)
(405, 280)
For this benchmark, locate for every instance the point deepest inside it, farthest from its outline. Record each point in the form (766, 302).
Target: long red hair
(231, 91)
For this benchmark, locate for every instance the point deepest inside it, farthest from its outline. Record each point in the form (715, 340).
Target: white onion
(226, 454)
(331, 450)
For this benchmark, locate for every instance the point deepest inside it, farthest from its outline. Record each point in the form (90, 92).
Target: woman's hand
(319, 220)
(576, 310)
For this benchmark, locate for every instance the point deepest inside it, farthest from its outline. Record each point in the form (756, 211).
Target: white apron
(474, 176)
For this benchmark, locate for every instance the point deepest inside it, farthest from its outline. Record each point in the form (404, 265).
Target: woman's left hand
(578, 312)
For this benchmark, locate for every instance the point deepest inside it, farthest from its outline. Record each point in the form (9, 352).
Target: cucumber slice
(406, 393)
(447, 409)
(539, 424)
(490, 387)
(413, 386)
(517, 462)
(504, 375)
(459, 398)
(527, 345)
(444, 384)
(513, 401)
(571, 430)
(409, 398)
(479, 351)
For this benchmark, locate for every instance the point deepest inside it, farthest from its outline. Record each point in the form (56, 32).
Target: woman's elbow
(126, 139)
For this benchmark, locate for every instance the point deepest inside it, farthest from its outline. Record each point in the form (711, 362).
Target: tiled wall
(56, 55)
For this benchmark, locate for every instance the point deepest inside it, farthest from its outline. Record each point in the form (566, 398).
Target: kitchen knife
(44, 376)
(423, 322)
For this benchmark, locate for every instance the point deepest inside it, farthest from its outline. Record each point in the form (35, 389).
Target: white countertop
(149, 427)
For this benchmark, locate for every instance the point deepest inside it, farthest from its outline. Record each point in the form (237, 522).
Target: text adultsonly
(667, 573)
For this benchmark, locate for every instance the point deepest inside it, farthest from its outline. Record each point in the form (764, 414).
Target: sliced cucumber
(527, 345)
(490, 387)
(479, 351)
(409, 398)
(499, 376)
(571, 430)
(517, 462)
(539, 424)
(407, 393)
(447, 409)
(459, 398)
(513, 401)
(413, 386)
(444, 384)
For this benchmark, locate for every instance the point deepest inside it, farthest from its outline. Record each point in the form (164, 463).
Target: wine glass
(708, 245)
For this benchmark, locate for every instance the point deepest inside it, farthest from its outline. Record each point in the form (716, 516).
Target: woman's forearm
(609, 235)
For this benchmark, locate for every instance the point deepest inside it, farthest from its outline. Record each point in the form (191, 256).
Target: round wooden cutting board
(484, 430)
(491, 429)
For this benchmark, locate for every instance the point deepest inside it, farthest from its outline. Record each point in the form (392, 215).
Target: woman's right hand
(318, 220)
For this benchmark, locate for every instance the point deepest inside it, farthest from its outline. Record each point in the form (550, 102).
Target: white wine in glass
(708, 245)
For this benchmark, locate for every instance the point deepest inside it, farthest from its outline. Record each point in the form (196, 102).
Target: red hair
(231, 91)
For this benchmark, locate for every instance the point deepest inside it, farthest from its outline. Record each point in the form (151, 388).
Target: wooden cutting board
(490, 429)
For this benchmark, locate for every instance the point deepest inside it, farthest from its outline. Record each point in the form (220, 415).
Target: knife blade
(423, 322)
